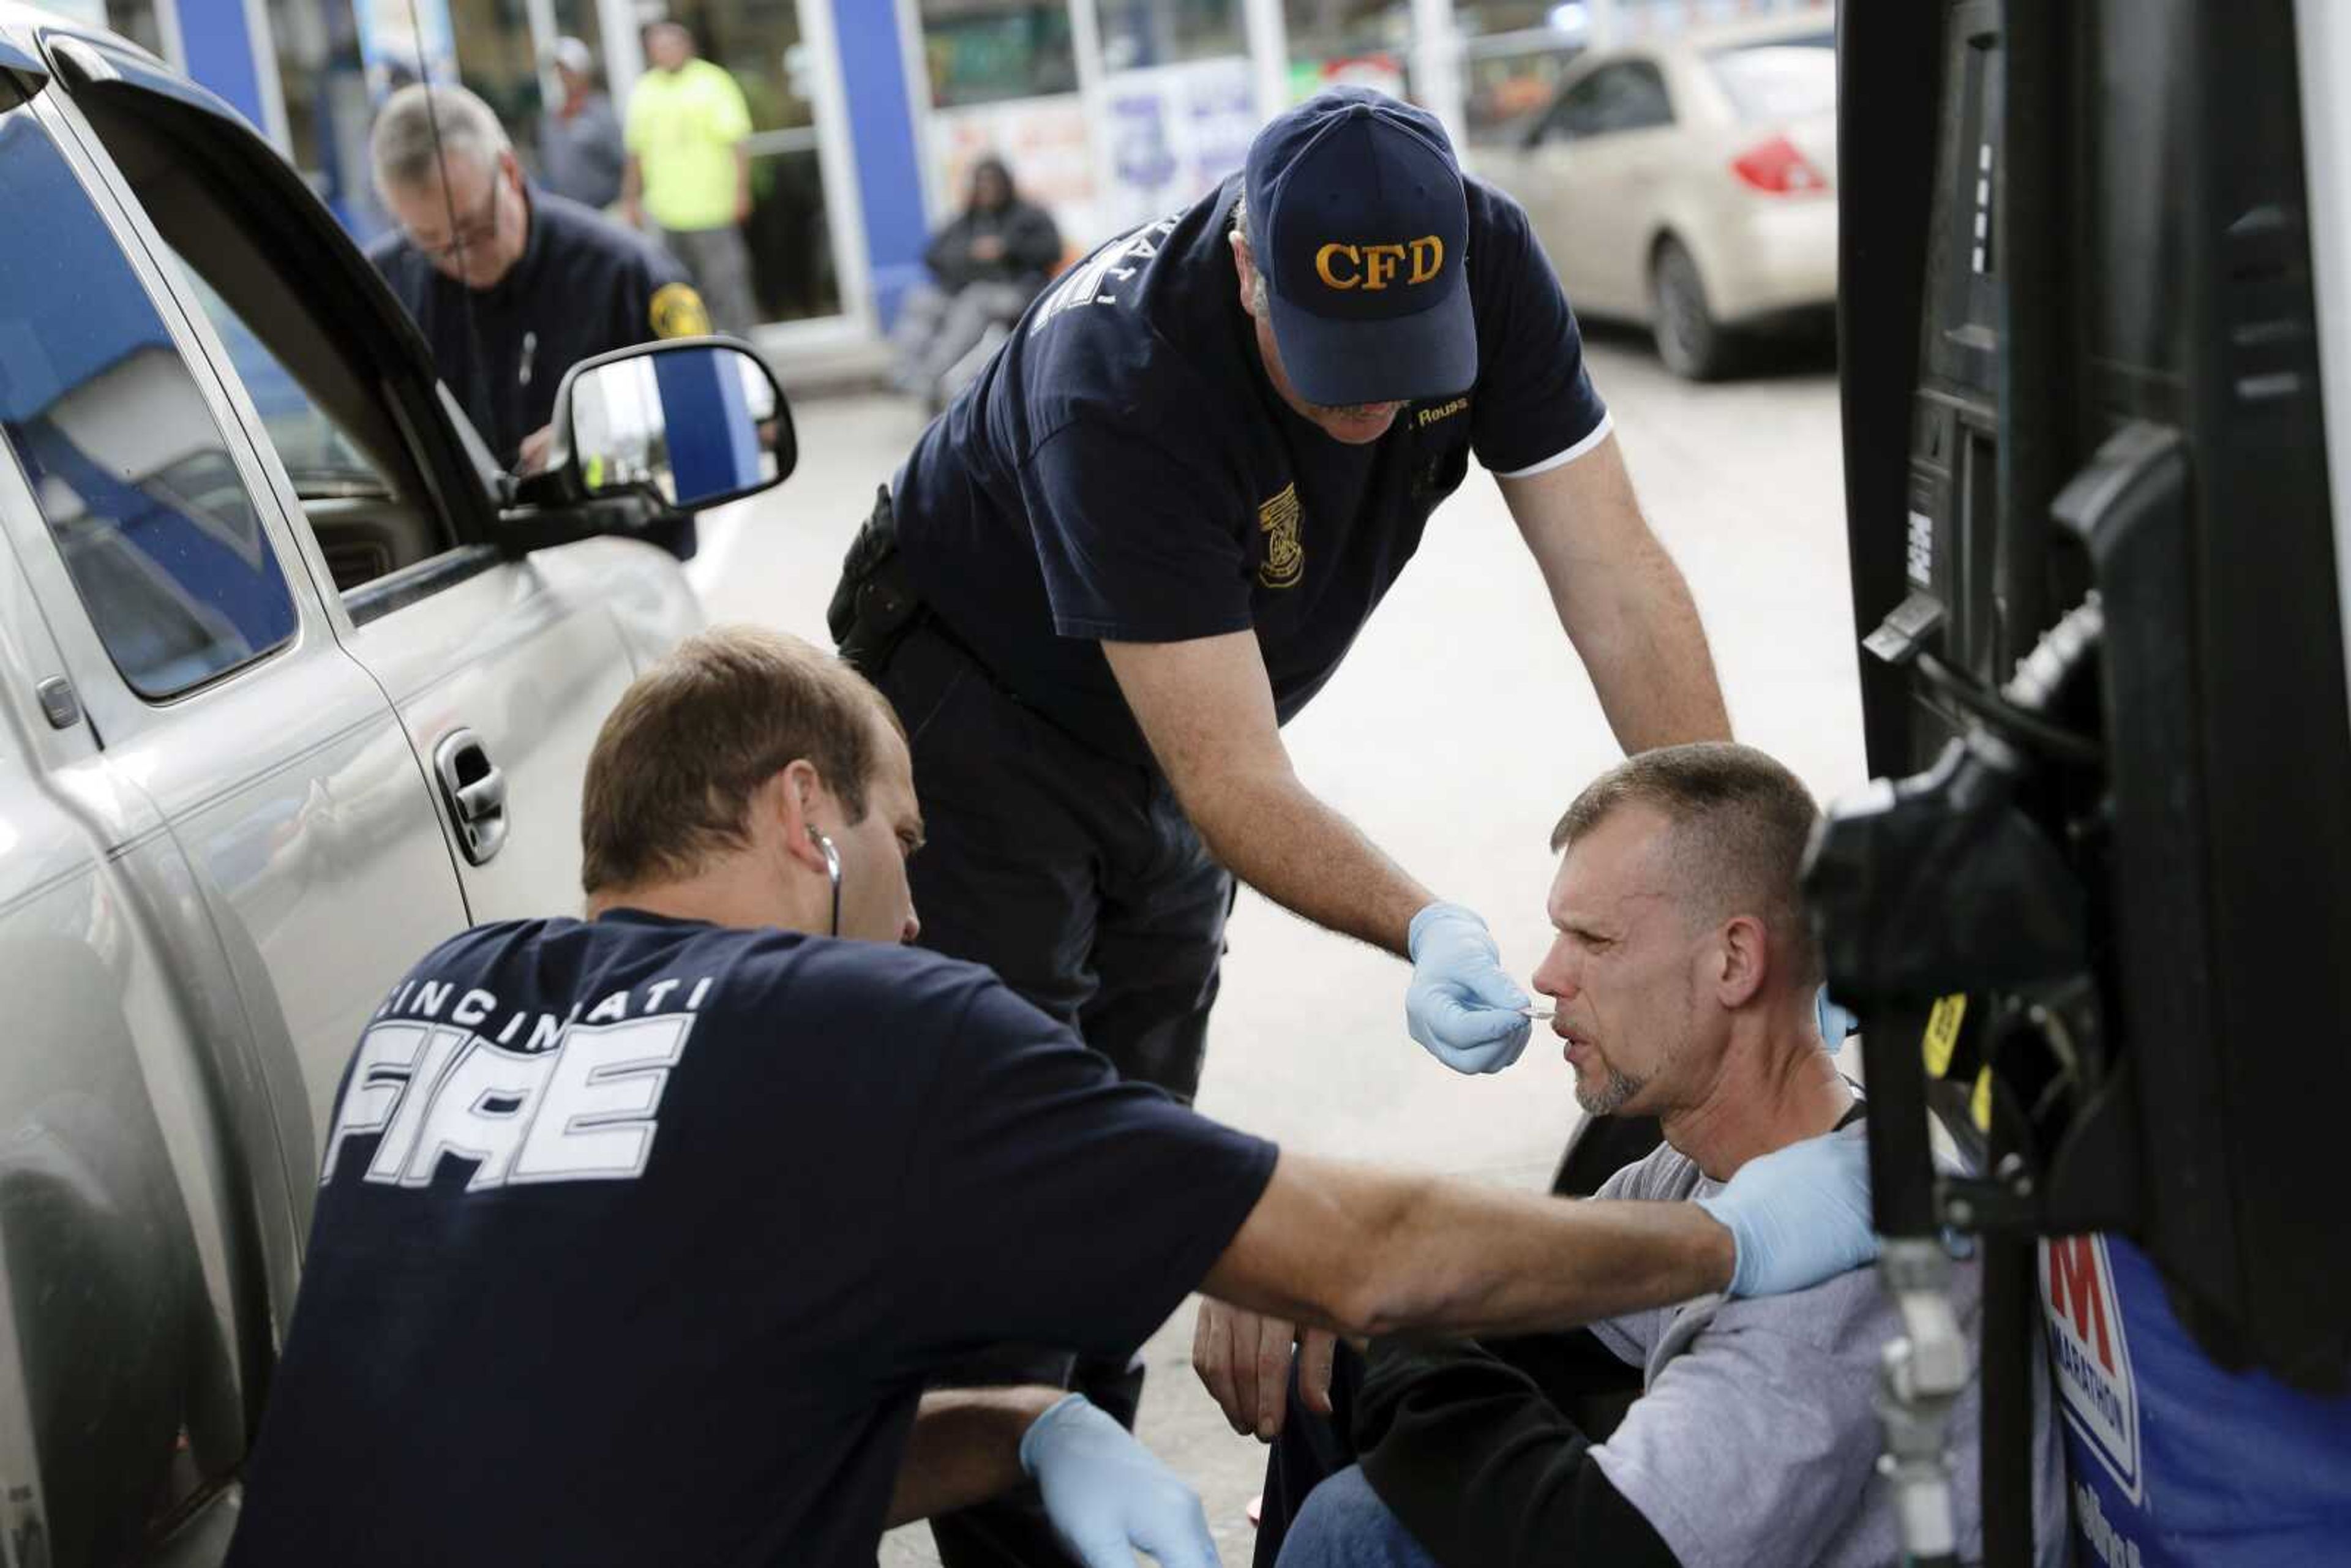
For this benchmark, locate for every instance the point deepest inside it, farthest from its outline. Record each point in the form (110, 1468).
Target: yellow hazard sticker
(1943, 1033)
(678, 312)
(1980, 1103)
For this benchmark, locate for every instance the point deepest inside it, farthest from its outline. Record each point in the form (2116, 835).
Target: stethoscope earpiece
(832, 870)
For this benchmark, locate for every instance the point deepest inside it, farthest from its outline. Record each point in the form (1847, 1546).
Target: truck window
(133, 479)
(325, 408)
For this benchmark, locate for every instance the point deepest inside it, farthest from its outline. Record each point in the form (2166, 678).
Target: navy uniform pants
(1079, 880)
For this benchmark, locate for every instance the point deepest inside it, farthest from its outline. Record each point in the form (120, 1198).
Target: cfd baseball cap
(1357, 218)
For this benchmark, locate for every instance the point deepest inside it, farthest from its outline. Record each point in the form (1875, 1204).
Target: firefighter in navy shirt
(638, 1239)
(512, 285)
(1147, 535)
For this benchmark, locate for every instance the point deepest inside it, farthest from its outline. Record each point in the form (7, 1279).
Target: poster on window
(1172, 132)
(1047, 144)
(401, 43)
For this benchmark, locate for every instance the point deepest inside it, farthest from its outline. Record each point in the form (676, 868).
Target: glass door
(796, 255)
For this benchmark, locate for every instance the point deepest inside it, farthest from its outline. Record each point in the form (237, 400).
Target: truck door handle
(475, 791)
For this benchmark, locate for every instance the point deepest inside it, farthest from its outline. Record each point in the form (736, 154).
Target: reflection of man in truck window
(1684, 974)
(512, 284)
(639, 1237)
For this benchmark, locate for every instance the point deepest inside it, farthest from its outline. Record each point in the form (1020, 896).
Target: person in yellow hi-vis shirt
(689, 169)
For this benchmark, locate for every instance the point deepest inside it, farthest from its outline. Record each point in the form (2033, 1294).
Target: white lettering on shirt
(597, 1118)
(1089, 283)
(576, 1100)
(380, 1075)
(481, 1111)
(441, 1047)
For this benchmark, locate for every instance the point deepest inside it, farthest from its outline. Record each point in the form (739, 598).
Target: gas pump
(2099, 907)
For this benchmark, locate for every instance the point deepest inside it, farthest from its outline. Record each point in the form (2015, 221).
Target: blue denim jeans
(1345, 1525)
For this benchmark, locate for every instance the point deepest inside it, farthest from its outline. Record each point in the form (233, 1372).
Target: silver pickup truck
(293, 685)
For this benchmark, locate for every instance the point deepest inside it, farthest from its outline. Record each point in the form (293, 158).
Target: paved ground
(1456, 735)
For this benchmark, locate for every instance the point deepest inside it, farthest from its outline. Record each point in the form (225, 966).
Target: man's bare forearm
(966, 1448)
(1639, 635)
(1281, 838)
(1206, 706)
(1622, 600)
(1366, 1251)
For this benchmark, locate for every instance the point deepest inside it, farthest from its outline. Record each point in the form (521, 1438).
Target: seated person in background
(987, 265)
(1685, 974)
(579, 151)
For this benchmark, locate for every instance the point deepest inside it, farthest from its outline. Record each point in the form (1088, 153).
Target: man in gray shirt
(1683, 976)
(579, 151)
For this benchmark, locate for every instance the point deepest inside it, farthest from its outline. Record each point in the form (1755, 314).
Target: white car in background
(1689, 183)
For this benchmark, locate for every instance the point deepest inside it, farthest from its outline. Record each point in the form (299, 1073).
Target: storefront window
(498, 60)
(1367, 43)
(1136, 34)
(986, 51)
(1514, 55)
(328, 110)
(135, 20)
(580, 19)
(789, 230)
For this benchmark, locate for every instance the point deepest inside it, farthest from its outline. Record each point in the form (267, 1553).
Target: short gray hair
(404, 149)
(1257, 300)
(1739, 823)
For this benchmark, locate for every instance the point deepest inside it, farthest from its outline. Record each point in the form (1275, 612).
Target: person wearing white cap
(579, 151)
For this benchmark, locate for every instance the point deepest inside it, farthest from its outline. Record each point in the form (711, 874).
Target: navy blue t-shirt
(1124, 470)
(637, 1240)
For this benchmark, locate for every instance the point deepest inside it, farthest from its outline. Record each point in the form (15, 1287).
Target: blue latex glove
(1835, 1022)
(1461, 1005)
(1108, 1497)
(1799, 1215)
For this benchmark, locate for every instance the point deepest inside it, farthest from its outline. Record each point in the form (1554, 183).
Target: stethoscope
(832, 870)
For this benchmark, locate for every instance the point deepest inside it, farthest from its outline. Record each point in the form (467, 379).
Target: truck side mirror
(693, 422)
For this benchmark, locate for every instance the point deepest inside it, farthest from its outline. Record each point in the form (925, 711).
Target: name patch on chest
(1285, 555)
(1428, 416)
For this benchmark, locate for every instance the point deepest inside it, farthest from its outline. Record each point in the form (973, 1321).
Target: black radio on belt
(873, 605)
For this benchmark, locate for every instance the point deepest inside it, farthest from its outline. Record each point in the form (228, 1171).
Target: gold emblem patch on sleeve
(678, 312)
(1285, 557)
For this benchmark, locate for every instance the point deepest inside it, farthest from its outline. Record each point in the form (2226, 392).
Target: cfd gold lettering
(1329, 274)
(1375, 266)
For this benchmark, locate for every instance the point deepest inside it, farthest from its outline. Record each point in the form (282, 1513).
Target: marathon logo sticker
(538, 1097)
(2090, 1356)
(1285, 557)
(678, 312)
